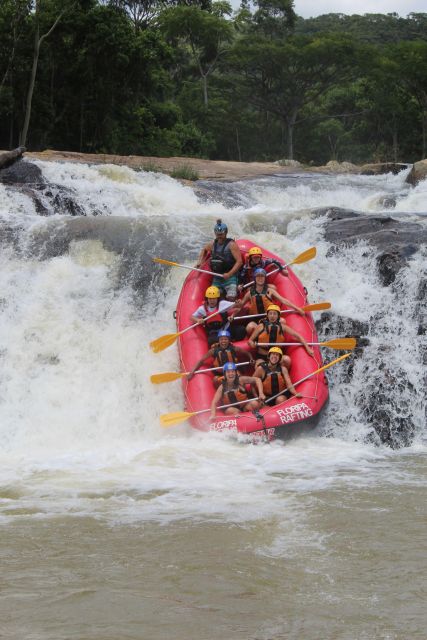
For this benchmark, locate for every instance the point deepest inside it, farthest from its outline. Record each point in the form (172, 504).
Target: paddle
(169, 376)
(159, 344)
(305, 256)
(336, 343)
(318, 306)
(170, 419)
(183, 266)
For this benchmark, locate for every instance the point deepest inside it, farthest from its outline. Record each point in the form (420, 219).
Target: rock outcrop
(417, 173)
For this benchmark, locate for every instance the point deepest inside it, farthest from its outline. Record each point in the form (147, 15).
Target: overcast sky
(309, 8)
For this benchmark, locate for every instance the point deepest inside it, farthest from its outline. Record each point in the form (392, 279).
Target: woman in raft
(221, 352)
(260, 296)
(216, 321)
(272, 330)
(254, 260)
(233, 390)
(275, 378)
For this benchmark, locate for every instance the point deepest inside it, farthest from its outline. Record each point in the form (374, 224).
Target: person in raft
(225, 259)
(275, 377)
(273, 329)
(217, 320)
(233, 390)
(222, 352)
(254, 260)
(261, 295)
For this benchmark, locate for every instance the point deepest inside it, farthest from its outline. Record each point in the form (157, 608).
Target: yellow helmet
(273, 307)
(275, 350)
(254, 251)
(212, 292)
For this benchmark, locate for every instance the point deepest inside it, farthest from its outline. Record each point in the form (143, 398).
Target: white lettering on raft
(294, 412)
(224, 424)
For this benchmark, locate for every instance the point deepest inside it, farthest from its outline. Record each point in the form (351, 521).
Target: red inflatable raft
(288, 419)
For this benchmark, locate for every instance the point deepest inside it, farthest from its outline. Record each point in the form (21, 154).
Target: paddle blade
(163, 342)
(170, 419)
(168, 376)
(161, 261)
(305, 256)
(317, 306)
(340, 343)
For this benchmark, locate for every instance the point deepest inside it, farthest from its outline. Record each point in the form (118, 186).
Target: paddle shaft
(183, 266)
(238, 364)
(308, 307)
(310, 375)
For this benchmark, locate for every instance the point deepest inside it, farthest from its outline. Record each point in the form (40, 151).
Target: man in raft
(213, 324)
(233, 390)
(273, 329)
(221, 353)
(254, 260)
(261, 295)
(225, 258)
(275, 377)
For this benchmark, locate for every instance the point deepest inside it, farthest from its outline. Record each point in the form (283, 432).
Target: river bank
(214, 169)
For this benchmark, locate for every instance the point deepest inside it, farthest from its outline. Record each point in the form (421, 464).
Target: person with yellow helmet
(213, 324)
(225, 259)
(273, 329)
(254, 260)
(261, 295)
(275, 377)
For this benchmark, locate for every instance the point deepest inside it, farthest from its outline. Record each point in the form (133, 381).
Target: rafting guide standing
(225, 259)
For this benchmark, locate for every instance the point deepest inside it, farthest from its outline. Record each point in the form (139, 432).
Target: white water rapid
(195, 535)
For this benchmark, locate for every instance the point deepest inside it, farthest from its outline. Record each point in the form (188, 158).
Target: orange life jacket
(273, 381)
(259, 301)
(236, 394)
(221, 356)
(272, 332)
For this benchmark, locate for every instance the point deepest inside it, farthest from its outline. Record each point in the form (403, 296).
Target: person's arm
(259, 373)
(198, 316)
(272, 293)
(238, 258)
(288, 382)
(282, 267)
(203, 255)
(257, 382)
(203, 359)
(245, 298)
(300, 339)
(254, 335)
(245, 353)
(215, 401)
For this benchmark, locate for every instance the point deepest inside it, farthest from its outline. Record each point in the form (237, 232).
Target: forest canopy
(195, 78)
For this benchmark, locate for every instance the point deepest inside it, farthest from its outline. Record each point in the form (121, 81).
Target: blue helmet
(260, 272)
(220, 227)
(229, 366)
(224, 334)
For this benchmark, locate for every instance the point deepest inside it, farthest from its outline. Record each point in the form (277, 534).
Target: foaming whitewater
(81, 299)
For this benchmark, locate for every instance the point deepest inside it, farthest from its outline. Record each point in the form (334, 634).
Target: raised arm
(299, 337)
(204, 254)
(273, 294)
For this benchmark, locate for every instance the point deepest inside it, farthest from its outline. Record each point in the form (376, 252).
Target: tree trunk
(23, 137)
(239, 155)
(290, 153)
(205, 89)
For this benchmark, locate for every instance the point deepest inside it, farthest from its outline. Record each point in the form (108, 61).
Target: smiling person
(255, 260)
(261, 295)
(221, 312)
(233, 389)
(225, 259)
(275, 377)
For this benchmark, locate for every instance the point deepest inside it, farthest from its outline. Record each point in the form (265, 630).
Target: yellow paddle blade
(305, 256)
(340, 343)
(169, 419)
(161, 261)
(163, 342)
(317, 306)
(168, 376)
